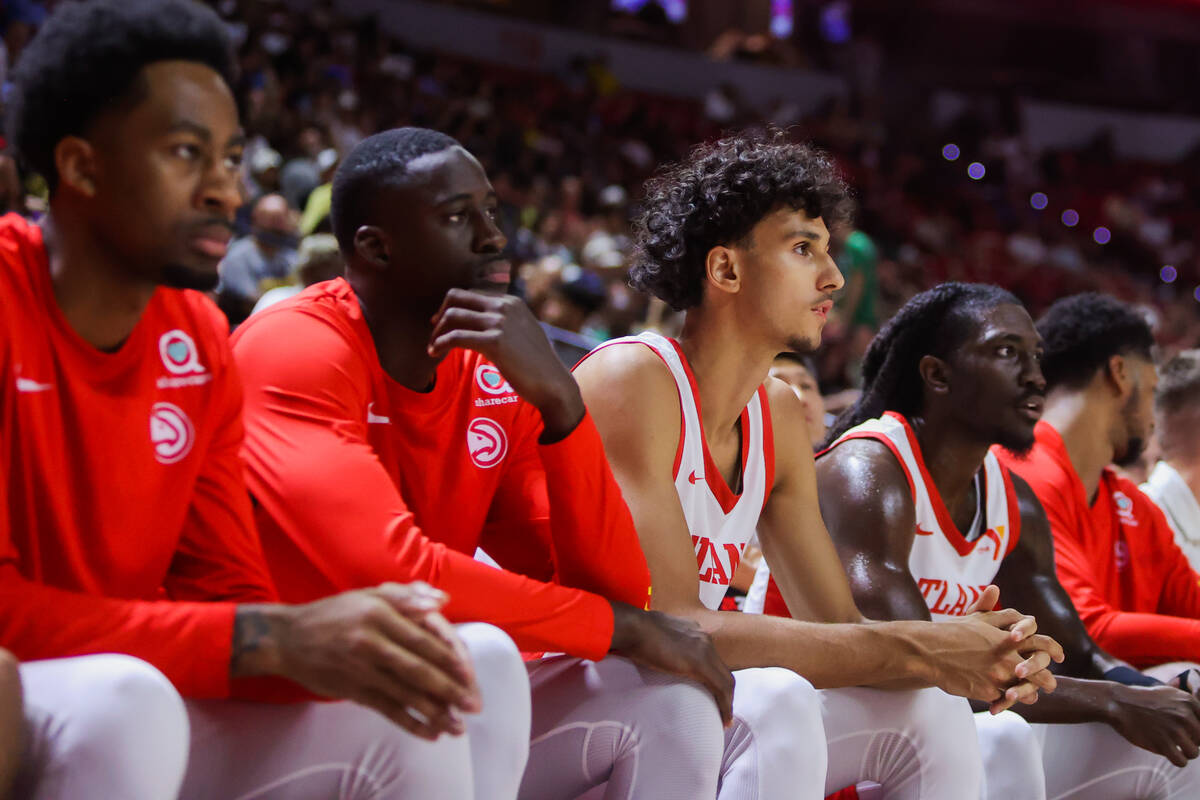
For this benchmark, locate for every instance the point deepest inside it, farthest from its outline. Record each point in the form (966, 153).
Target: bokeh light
(976, 170)
(1039, 200)
(951, 152)
(1070, 218)
(1102, 235)
(1168, 273)
(1196, 294)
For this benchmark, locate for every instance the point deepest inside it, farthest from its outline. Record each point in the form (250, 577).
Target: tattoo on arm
(253, 641)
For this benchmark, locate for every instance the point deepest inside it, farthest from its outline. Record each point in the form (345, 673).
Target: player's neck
(727, 369)
(400, 342)
(1083, 426)
(952, 458)
(93, 290)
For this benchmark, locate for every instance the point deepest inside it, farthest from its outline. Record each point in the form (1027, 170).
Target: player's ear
(1119, 376)
(934, 373)
(722, 269)
(371, 246)
(75, 162)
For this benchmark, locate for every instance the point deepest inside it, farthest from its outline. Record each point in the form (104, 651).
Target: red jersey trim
(884, 440)
(945, 521)
(726, 497)
(682, 421)
(768, 434)
(1014, 510)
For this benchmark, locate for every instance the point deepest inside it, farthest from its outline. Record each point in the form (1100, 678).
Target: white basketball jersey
(721, 522)
(949, 570)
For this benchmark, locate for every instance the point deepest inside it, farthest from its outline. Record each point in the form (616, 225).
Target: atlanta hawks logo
(491, 381)
(178, 353)
(171, 433)
(486, 442)
(1124, 509)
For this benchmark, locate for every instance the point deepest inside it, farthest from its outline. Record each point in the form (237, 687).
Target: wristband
(1130, 677)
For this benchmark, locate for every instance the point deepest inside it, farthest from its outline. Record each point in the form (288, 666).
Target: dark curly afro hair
(87, 59)
(716, 196)
(1080, 333)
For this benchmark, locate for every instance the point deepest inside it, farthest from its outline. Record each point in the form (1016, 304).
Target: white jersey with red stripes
(950, 570)
(720, 521)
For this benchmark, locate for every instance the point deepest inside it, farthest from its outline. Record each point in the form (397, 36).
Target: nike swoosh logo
(27, 385)
(375, 419)
(922, 532)
(693, 479)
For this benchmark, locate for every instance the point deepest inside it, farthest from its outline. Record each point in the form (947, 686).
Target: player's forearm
(828, 655)
(1074, 700)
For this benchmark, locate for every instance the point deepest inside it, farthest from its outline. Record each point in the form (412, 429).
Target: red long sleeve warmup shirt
(124, 520)
(360, 480)
(1117, 558)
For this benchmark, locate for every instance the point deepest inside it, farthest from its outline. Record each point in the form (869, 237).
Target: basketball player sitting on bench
(738, 235)
(446, 421)
(924, 517)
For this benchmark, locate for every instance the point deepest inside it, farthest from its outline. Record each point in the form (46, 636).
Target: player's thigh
(1092, 761)
(900, 739)
(775, 747)
(613, 721)
(1012, 757)
(101, 726)
(313, 751)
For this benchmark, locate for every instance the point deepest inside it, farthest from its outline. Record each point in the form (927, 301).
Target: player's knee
(138, 719)
(496, 660)
(778, 702)
(504, 686)
(1012, 734)
(940, 717)
(1010, 738)
(677, 705)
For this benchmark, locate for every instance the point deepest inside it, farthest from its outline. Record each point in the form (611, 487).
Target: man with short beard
(1113, 548)
(132, 582)
(924, 518)
(702, 442)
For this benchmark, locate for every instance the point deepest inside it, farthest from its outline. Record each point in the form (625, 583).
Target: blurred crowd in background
(569, 152)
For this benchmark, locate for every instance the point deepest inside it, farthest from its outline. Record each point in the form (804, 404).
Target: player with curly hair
(706, 450)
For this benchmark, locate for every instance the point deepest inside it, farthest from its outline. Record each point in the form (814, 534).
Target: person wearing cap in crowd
(262, 179)
(268, 252)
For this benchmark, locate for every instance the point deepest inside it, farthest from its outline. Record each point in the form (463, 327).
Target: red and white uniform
(721, 522)
(774, 747)
(949, 570)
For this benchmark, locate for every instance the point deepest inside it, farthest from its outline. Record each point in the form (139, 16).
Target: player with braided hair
(940, 318)
(924, 516)
(738, 235)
